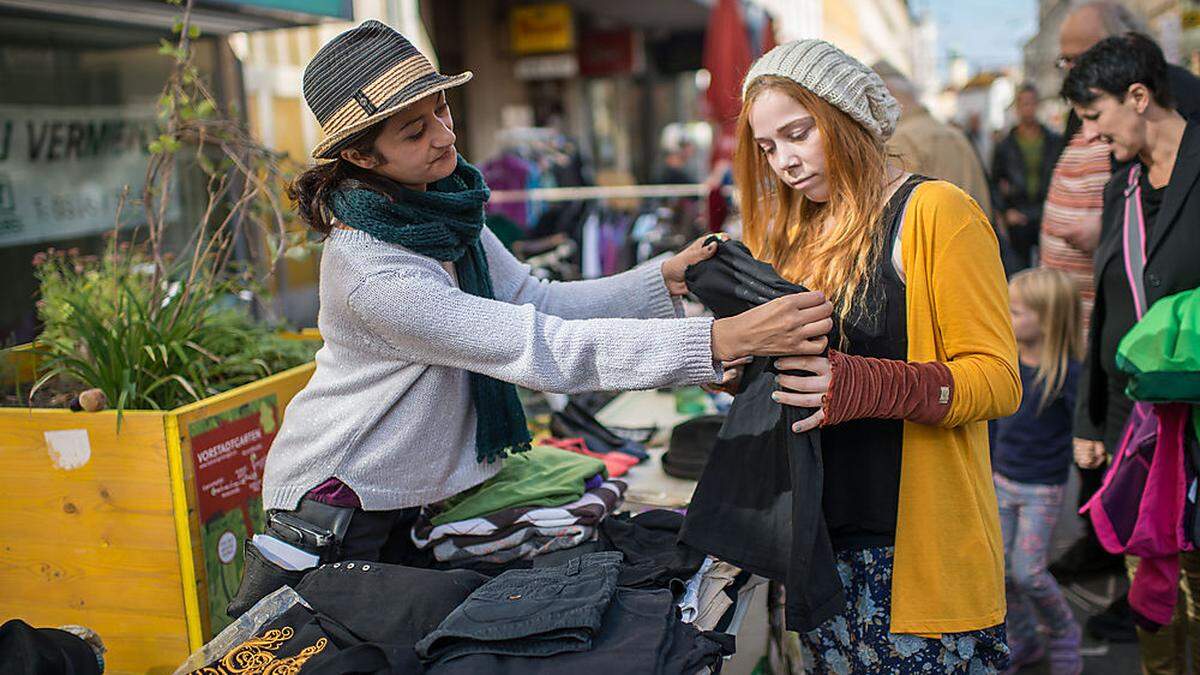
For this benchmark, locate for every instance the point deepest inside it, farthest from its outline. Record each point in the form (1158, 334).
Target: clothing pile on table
(633, 599)
(575, 429)
(542, 500)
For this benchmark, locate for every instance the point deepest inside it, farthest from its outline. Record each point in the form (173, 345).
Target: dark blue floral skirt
(858, 640)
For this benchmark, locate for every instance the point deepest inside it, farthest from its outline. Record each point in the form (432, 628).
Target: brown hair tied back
(311, 190)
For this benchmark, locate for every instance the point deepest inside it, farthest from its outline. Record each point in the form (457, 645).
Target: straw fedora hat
(363, 76)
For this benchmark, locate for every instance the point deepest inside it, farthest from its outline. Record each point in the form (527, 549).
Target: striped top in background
(1076, 195)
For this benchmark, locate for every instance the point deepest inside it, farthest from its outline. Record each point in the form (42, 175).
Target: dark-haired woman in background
(1148, 246)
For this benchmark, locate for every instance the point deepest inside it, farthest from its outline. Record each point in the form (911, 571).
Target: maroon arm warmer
(861, 387)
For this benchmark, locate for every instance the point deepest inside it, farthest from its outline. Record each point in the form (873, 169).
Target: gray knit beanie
(836, 77)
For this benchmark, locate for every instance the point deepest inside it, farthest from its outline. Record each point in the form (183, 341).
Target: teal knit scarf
(444, 223)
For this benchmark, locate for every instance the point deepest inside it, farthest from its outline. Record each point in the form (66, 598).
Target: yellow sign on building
(542, 29)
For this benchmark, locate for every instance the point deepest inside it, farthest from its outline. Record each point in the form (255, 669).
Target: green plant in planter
(106, 327)
(152, 330)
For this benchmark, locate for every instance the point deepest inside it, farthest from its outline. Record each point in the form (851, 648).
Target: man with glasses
(1070, 235)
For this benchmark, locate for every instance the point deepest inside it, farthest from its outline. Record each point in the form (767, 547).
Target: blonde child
(1031, 458)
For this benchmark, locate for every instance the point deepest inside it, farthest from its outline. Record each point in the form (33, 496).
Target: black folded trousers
(759, 502)
(529, 612)
(640, 633)
(385, 603)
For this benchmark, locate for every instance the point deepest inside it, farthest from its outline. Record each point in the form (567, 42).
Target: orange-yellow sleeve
(960, 282)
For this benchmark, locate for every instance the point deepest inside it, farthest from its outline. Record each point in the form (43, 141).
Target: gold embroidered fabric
(256, 656)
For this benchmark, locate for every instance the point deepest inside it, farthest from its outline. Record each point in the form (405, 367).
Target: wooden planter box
(126, 531)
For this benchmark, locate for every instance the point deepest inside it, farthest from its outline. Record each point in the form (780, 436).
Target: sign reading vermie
(63, 169)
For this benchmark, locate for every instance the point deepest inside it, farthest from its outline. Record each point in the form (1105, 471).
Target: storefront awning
(671, 15)
(212, 16)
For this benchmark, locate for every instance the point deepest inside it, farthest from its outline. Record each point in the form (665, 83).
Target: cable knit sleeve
(425, 319)
(640, 293)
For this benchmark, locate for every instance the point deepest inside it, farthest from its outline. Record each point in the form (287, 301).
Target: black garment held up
(758, 504)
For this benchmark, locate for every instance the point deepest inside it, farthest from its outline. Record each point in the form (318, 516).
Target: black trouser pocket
(260, 578)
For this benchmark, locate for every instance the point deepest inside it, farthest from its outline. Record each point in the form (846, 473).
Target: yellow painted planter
(102, 528)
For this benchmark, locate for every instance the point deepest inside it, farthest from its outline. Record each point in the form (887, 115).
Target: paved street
(1089, 598)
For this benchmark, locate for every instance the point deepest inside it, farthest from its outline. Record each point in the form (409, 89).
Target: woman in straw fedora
(430, 324)
(925, 356)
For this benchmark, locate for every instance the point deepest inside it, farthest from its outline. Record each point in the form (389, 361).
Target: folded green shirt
(540, 477)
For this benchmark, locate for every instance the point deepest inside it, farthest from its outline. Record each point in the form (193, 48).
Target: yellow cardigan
(948, 572)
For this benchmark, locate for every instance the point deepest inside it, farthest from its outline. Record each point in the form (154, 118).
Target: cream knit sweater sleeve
(637, 294)
(423, 318)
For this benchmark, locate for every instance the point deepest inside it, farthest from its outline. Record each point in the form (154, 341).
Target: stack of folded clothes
(573, 617)
(611, 604)
(541, 501)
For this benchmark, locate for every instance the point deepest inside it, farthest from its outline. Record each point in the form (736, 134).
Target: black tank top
(862, 457)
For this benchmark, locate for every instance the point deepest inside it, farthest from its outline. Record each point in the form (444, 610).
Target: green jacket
(1161, 353)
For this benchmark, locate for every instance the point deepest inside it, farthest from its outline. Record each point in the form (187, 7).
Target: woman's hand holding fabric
(675, 267)
(804, 391)
(731, 376)
(792, 325)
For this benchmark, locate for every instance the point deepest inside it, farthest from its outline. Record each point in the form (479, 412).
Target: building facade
(79, 85)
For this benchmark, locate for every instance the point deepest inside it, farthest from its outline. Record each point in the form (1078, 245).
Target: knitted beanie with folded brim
(838, 78)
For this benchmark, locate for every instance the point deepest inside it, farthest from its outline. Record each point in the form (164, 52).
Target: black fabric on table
(654, 556)
(385, 603)
(758, 503)
(319, 645)
(25, 650)
(640, 633)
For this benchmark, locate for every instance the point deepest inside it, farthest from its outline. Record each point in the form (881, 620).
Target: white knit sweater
(388, 410)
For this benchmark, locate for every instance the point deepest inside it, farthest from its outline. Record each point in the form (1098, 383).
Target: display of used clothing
(534, 612)
(304, 641)
(606, 604)
(540, 477)
(589, 510)
(617, 462)
(509, 171)
(418, 599)
(688, 604)
(723, 596)
(521, 544)
(640, 633)
(574, 421)
(759, 502)
(654, 557)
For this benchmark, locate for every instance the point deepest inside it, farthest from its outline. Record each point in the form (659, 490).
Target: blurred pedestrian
(677, 160)
(1070, 236)
(929, 147)
(1121, 90)
(926, 355)
(1021, 168)
(1031, 458)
